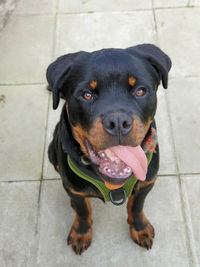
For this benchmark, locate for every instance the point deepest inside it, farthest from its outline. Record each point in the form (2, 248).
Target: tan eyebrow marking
(131, 81)
(93, 84)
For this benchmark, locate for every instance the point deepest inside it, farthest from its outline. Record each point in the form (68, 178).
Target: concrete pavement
(35, 213)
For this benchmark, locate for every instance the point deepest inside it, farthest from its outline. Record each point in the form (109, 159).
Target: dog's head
(110, 97)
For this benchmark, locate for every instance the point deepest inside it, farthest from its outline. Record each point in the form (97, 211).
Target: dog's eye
(140, 91)
(87, 95)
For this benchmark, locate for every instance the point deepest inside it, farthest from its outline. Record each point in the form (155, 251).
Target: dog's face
(110, 98)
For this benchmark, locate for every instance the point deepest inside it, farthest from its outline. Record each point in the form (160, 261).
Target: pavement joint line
(178, 77)
(57, 7)
(37, 224)
(55, 35)
(38, 210)
(19, 181)
(45, 137)
(89, 12)
(30, 181)
(44, 145)
(167, 175)
(49, 97)
(51, 179)
(33, 14)
(176, 7)
(190, 240)
(102, 12)
(155, 22)
(45, 179)
(125, 11)
(172, 133)
(21, 84)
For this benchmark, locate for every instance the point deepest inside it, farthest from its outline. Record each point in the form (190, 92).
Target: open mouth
(116, 164)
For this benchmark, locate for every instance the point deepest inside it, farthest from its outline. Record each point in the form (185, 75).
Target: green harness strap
(128, 186)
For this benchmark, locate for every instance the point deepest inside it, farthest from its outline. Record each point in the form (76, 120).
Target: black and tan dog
(105, 143)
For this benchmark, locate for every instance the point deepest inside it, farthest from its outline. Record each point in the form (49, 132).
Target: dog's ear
(58, 73)
(158, 59)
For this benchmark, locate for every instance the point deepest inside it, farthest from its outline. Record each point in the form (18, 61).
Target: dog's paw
(79, 242)
(143, 238)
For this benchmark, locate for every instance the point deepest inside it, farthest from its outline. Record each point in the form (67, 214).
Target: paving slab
(35, 7)
(165, 138)
(104, 5)
(191, 193)
(25, 49)
(178, 34)
(175, 3)
(23, 112)
(183, 98)
(18, 212)
(112, 245)
(85, 31)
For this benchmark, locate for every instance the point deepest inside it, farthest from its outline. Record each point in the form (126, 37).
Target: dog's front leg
(80, 236)
(141, 230)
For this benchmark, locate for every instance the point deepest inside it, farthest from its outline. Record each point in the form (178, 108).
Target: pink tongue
(134, 157)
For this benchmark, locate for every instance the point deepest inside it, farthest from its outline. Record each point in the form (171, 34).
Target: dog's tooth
(102, 154)
(127, 169)
(108, 170)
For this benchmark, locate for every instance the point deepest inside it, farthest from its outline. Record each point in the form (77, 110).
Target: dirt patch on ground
(6, 8)
(2, 99)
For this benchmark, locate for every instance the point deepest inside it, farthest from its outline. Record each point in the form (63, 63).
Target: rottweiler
(105, 143)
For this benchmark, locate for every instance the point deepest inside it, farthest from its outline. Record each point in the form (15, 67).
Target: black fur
(70, 76)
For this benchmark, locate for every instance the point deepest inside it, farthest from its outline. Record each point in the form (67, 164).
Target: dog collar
(109, 195)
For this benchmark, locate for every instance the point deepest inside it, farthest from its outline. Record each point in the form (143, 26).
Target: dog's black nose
(117, 123)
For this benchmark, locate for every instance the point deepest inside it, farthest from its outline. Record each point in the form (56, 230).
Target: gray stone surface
(25, 49)
(178, 34)
(18, 209)
(110, 230)
(184, 107)
(191, 193)
(102, 6)
(175, 3)
(118, 30)
(23, 112)
(35, 7)
(167, 153)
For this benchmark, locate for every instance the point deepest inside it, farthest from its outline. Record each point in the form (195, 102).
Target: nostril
(125, 125)
(112, 125)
